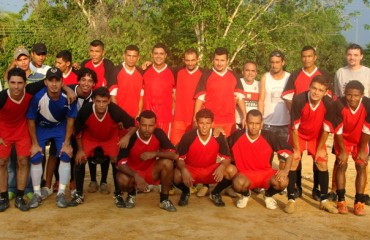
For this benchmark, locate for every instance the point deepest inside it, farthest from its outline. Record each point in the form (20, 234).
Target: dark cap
(277, 53)
(54, 73)
(39, 48)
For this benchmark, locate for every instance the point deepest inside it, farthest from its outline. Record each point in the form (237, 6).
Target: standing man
(148, 159)
(217, 90)
(251, 90)
(187, 79)
(352, 132)
(312, 121)
(51, 117)
(63, 61)
(38, 55)
(159, 83)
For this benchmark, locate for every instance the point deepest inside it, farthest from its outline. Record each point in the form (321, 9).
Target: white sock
(36, 173)
(64, 174)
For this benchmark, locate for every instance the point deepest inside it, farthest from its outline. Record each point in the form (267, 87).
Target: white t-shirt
(43, 69)
(276, 112)
(251, 98)
(345, 74)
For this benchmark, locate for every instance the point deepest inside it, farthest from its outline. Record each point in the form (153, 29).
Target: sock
(221, 186)
(316, 179)
(271, 192)
(92, 169)
(4, 195)
(291, 186)
(341, 193)
(183, 188)
(132, 192)
(163, 197)
(359, 197)
(64, 172)
(79, 178)
(299, 178)
(324, 184)
(19, 193)
(104, 170)
(36, 173)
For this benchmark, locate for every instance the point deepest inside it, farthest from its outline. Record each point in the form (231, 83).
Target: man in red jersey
(187, 79)
(312, 121)
(217, 90)
(352, 131)
(159, 83)
(63, 61)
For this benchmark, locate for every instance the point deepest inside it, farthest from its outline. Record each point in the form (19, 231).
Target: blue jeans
(12, 175)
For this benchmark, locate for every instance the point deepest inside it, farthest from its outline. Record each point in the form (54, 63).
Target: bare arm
(261, 98)
(241, 104)
(197, 106)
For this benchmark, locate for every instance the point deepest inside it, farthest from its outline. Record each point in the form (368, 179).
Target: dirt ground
(98, 218)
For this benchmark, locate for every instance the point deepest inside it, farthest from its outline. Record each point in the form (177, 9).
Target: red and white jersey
(218, 91)
(352, 123)
(251, 92)
(310, 120)
(104, 72)
(70, 78)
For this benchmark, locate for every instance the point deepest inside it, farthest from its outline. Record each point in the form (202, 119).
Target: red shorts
(260, 178)
(147, 174)
(310, 146)
(202, 175)
(165, 126)
(110, 147)
(353, 150)
(22, 147)
(178, 129)
(229, 128)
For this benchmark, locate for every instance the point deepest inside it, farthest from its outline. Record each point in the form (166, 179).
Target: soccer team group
(179, 127)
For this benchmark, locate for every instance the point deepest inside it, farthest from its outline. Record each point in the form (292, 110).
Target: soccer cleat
(298, 192)
(130, 201)
(4, 204)
(316, 194)
(61, 200)
(359, 209)
(242, 202)
(104, 188)
(332, 196)
(21, 204)
(290, 206)
(184, 199)
(167, 205)
(56, 186)
(46, 192)
(217, 199)
(328, 206)
(76, 200)
(203, 191)
(11, 196)
(35, 201)
(29, 195)
(118, 200)
(367, 199)
(270, 203)
(342, 207)
(93, 187)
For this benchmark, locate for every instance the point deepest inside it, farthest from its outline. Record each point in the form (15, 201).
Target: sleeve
(239, 90)
(186, 140)
(33, 88)
(114, 84)
(32, 109)
(282, 148)
(165, 143)
(84, 62)
(119, 115)
(289, 89)
(338, 121)
(3, 98)
(233, 138)
(109, 72)
(366, 126)
(72, 110)
(82, 117)
(224, 151)
(298, 103)
(329, 114)
(124, 152)
(200, 90)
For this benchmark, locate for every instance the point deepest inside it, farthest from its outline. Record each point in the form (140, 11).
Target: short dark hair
(191, 51)
(354, 46)
(308, 47)
(254, 113)
(320, 79)
(87, 72)
(17, 72)
(65, 55)
(132, 47)
(100, 91)
(96, 43)
(354, 84)
(146, 114)
(204, 113)
(277, 53)
(220, 51)
(249, 62)
(160, 45)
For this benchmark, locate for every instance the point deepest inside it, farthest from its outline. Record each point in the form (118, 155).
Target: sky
(357, 34)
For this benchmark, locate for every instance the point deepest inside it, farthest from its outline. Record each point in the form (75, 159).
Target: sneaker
(342, 207)
(217, 199)
(46, 192)
(76, 200)
(242, 202)
(270, 203)
(316, 194)
(21, 204)
(11, 196)
(56, 186)
(203, 191)
(93, 187)
(328, 206)
(61, 200)
(367, 200)
(332, 196)
(290, 206)
(359, 209)
(184, 199)
(130, 201)
(298, 192)
(35, 201)
(231, 193)
(167, 205)
(193, 190)
(104, 188)
(118, 200)
(4, 204)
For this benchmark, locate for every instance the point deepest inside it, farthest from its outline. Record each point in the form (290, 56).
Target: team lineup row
(202, 99)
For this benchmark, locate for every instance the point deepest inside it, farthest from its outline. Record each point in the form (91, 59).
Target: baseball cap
(277, 53)
(54, 73)
(39, 48)
(21, 51)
